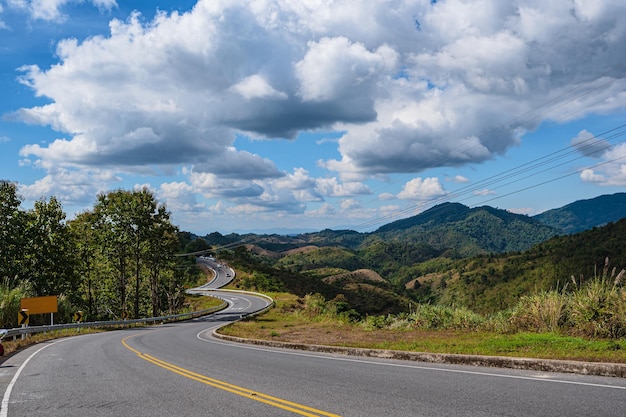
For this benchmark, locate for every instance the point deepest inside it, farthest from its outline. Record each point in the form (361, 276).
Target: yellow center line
(244, 392)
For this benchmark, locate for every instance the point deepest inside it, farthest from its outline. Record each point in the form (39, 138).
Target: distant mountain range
(456, 228)
(583, 215)
(484, 258)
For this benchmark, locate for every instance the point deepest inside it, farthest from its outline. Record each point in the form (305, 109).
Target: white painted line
(342, 358)
(4, 408)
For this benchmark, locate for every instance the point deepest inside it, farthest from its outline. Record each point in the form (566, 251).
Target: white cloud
(325, 210)
(412, 84)
(410, 96)
(589, 145)
(610, 172)
(333, 188)
(180, 197)
(256, 86)
(422, 189)
(350, 204)
(336, 69)
(484, 192)
(459, 179)
(70, 186)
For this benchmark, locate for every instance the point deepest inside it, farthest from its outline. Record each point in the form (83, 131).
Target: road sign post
(41, 305)
(22, 320)
(23, 317)
(78, 316)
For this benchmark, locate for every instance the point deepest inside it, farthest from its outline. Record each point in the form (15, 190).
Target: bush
(10, 302)
(598, 308)
(540, 312)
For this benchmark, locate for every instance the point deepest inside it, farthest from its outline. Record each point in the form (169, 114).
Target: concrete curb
(617, 370)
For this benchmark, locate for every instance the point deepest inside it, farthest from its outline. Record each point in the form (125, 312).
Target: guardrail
(269, 305)
(111, 323)
(18, 331)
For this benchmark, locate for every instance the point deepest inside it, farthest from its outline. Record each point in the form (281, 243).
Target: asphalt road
(181, 370)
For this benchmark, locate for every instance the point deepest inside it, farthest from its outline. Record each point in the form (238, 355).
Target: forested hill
(493, 283)
(468, 231)
(585, 214)
(460, 230)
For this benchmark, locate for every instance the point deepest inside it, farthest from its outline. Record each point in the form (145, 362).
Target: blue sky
(282, 116)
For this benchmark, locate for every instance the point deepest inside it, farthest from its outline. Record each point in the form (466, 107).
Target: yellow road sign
(22, 317)
(40, 305)
(78, 316)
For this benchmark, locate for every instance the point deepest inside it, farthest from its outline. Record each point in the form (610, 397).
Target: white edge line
(4, 408)
(400, 365)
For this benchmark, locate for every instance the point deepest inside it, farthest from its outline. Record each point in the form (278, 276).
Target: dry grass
(290, 322)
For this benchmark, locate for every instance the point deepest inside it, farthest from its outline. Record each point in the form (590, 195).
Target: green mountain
(467, 231)
(454, 228)
(585, 214)
(491, 283)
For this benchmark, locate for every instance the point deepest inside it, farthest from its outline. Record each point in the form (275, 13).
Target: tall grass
(10, 302)
(593, 309)
(598, 308)
(544, 312)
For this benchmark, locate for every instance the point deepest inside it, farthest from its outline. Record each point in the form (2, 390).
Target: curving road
(180, 369)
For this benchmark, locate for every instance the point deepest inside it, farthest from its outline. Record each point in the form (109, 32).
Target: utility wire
(589, 144)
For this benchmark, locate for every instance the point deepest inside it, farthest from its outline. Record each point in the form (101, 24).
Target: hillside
(493, 283)
(585, 214)
(453, 228)
(483, 258)
(467, 231)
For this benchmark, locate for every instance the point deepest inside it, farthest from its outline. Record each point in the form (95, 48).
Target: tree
(50, 260)
(85, 244)
(114, 235)
(12, 228)
(136, 234)
(162, 244)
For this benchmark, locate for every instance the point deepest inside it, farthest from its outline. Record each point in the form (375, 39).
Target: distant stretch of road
(180, 369)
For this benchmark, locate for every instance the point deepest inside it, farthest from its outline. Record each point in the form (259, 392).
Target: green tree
(50, 260)
(137, 236)
(162, 241)
(85, 243)
(12, 228)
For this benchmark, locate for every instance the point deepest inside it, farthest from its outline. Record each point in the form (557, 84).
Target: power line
(589, 144)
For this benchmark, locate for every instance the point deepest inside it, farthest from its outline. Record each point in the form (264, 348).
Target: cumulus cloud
(333, 188)
(180, 197)
(422, 189)
(459, 179)
(73, 187)
(255, 86)
(589, 145)
(611, 171)
(411, 84)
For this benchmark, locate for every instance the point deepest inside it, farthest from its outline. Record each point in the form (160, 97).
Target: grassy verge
(291, 321)
(12, 346)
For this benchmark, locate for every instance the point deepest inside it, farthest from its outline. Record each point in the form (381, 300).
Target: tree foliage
(114, 261)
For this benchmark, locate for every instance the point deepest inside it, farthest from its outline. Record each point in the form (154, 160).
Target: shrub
(598, 308)
(540, 312)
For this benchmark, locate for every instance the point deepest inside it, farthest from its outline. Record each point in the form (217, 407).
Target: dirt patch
(332, 334)
(303, 249)
(360, 275)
